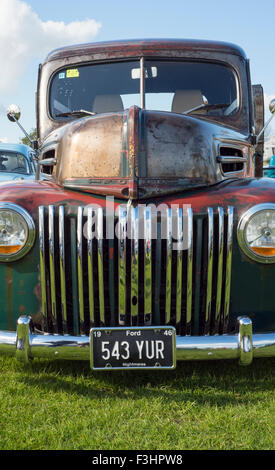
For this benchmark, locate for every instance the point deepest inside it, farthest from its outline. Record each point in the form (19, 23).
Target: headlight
(17, 232)
(256, 233)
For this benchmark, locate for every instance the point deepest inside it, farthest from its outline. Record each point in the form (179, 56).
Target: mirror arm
(264, 128)
(32, 142)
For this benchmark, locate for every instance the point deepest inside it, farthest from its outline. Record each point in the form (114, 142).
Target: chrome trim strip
(179, 215)
(62, 268)
(220, 268)
(134, 264)
(122, 221)
(189, 285)
(148, 264)
(168, 265)
(231, 159)
(80, 265)
(90, 264)
(42, 261)
(228, 269)
(100, 235)
(209, 268)
(52, 265)
(188, 348)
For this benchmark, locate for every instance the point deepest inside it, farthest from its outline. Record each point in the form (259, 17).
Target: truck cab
(149, 234)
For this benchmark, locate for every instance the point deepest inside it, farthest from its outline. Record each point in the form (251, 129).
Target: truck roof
(150, 47)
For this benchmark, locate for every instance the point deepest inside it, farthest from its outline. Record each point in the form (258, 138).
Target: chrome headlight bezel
(30, 238)
(241, 233)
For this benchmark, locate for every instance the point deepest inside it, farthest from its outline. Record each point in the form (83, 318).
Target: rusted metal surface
(240, 193)
(91, 147)
(138, 153)
(147, 46)
(179, 146)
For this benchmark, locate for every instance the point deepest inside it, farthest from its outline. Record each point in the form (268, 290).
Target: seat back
(107, 104)
(184, 100)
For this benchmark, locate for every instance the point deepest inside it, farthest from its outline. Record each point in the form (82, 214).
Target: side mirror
(272, 106)
(272, 110)
(13, 114)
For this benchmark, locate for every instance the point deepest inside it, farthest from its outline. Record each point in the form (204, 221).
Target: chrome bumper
(243, 346)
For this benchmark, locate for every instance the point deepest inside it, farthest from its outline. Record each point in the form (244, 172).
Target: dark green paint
(19, 289)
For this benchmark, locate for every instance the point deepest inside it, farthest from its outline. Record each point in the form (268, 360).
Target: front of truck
(148, 240)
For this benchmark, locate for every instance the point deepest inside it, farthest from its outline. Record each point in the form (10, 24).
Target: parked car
(151, 238)
(270, 170)
(17, 162)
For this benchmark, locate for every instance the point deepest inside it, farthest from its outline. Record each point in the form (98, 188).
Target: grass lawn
(60, 406)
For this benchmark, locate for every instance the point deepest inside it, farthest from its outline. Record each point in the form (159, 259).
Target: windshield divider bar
(142, 83)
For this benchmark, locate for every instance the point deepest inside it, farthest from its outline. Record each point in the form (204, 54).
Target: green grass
(60, 406)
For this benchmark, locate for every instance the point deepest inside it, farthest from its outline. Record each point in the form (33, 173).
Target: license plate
(133, 348)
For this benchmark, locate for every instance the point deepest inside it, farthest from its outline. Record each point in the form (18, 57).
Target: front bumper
(244, 346)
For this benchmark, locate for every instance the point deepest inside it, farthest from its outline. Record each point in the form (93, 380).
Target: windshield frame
(142, 88)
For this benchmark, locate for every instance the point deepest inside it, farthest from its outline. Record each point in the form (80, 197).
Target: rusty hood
(136, 153)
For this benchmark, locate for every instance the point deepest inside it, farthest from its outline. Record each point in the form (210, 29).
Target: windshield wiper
(207, 106)
(79, 112)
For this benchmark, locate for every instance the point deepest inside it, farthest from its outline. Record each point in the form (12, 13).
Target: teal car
(271, 170)
(16, 162)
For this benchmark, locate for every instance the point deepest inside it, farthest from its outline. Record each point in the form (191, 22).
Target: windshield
(12, 162)
(163, 85)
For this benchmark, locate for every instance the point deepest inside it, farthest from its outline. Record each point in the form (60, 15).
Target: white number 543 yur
(150, 349)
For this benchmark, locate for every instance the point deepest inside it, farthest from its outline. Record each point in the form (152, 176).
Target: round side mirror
(13, 112)
(272, 106)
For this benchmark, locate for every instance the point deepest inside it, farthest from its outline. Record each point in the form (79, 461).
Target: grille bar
(148, 265)
(42, 253)
(100, 235)
(61, 232)
(52, 265)
(179, 264)
(228, 266)
(210, 248)
(80, 266)
(220, 267)
(122, 221)
(140, 296)
(90, 242)
(189, 284)
(168, 265)
(134, 264)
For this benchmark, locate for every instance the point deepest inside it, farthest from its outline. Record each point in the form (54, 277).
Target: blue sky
(249, 24)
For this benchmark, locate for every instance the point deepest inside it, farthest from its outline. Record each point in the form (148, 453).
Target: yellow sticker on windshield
(72, 73)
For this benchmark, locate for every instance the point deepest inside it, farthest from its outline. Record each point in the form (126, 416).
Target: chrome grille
(140, 279)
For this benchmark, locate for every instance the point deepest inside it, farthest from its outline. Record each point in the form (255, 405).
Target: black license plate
(133, 348)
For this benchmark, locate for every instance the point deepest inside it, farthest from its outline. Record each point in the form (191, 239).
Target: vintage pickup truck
(148, 236)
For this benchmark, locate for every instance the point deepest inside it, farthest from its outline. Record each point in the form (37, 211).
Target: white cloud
(24, 37)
